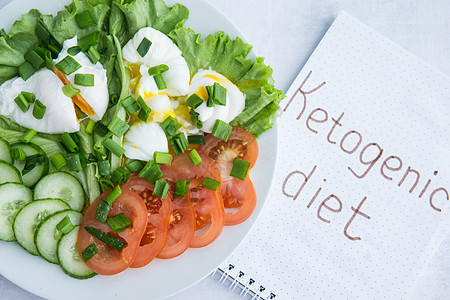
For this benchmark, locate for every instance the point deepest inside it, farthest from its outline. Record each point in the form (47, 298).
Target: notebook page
(360, 198)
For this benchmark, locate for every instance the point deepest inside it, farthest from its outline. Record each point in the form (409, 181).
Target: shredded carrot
(78, 100)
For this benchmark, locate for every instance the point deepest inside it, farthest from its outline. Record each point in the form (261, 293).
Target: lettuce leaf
(20, 39)
(228, 57)
(127, 17)
(64, 25)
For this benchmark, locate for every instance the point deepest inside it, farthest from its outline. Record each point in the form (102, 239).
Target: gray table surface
(286, 33)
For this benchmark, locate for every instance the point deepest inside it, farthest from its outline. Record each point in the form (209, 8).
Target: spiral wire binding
(248, 289)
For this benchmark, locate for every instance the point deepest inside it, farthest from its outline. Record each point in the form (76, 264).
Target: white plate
(161, 278)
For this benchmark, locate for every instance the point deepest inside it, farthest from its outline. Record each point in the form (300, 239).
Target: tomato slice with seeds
(109, 261)
(207, 204)
(238, 195)
(182, 220)
(158, 212)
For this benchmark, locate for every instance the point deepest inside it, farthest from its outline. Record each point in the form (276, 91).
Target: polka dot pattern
(360, 227)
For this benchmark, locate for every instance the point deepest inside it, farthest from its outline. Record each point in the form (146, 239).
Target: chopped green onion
(75, 138)
(210, 183)
(161, 188)
(58, 160)
(101, 214)
(68, 65)
(28, 135)
(151, 172)
(113, 99)
(31, 162)
(179, 143)
(69, 90)
(84, 79)
(18, 154)
(101, 129)
(39, 110)
(144, 113)
(89, 252)
(119, 222)
(63, 147)
(144, 46)
(74, 162)
(118, 127)
(54, 50)
(162, 157)
(135, 166)
(158, 69)
(194, 118)
(42, 33)
(73, 50)
(120, 175)
(90, 127)
(221, 130)
(69, 142)
(220, 94)
(89, 40)
(104, 168)
(93, 54)
(22, 102)
(34, 59)
(240, 168)
(111, 241)
(160, 83)
(170, 126)
(48, 59)
(114, 195)
(113, 147)
(194, 101)
(210, 90)
(195, 157)
(26, 70)
(106, 183)
(84, 19)
(196, 139)
(65, 225)
(30, 97)
(130, 105)
(181, 188)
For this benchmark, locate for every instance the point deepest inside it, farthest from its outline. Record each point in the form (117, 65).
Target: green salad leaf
(64, 26)
(13, 46)
(227, 56)
(127, 17)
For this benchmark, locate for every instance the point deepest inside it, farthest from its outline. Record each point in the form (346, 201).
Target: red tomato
(109, 261)
(207, 204)
(238, 195)
(182, 220)
(158, 211)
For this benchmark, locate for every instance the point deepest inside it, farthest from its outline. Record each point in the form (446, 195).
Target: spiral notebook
(359, 202)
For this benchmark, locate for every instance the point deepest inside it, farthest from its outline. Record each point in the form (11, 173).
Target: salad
(124, 135)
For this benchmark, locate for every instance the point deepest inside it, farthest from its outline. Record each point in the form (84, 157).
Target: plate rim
(22, 6)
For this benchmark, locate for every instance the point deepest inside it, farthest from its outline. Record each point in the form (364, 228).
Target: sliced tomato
(109, 261)
(182, 220)
(158, 212)
(238, 195)
(207, 204)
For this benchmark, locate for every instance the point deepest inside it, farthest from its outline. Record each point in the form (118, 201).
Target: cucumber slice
(29, 217)
(13, 196)
(34, 175)
(5, 151)
(9, 173)
(63, 186)
(69, 258)
(47, 235)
